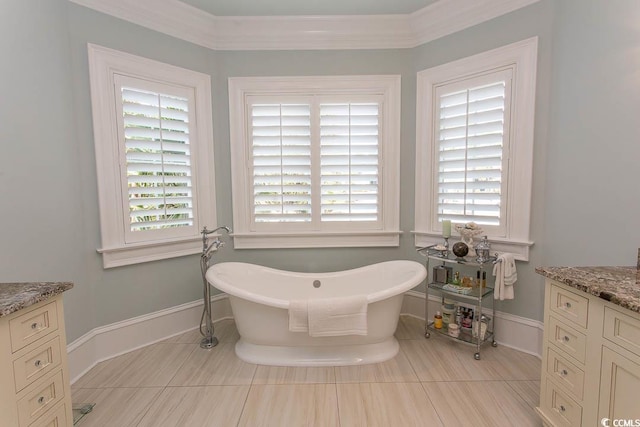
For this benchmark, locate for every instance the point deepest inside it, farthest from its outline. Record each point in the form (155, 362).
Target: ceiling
(308, 7)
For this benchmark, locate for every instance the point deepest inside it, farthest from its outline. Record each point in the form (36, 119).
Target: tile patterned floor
(431, 382)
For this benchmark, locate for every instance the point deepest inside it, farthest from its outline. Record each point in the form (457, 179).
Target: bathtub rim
(415, 280)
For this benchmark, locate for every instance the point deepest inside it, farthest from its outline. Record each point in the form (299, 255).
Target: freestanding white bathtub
(260, 298)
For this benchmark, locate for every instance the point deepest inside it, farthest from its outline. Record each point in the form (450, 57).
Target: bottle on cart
(437, 320)
(456, 278)
(459, 316)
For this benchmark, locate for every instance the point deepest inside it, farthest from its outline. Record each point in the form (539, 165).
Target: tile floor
(431, 382)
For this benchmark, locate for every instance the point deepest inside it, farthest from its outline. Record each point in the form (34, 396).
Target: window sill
(519, 249)
(316, 240)
(118, 256)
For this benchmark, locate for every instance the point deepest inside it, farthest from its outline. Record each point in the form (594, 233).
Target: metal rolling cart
(474, 296)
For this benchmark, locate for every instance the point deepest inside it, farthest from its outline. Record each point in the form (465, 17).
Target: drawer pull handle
(567, 305)
(38, 363)
(565, 338)
(41, 400)
(564, 373)
(34, 325)
(562, 408)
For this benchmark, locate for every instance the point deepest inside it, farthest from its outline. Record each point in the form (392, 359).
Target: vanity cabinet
(590, 360)
(34, 379)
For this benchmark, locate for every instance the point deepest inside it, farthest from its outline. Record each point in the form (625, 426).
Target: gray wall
(592, 203)
(585, 147)
(42, 223)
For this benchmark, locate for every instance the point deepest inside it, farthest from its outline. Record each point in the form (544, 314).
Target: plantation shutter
(281, 157)
(349, 181)
(472, 134)
(157, 159)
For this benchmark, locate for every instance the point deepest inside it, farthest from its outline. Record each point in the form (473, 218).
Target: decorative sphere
(460, 249)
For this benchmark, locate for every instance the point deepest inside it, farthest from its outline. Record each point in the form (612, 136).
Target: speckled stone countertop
(16, 296)
(620, 285)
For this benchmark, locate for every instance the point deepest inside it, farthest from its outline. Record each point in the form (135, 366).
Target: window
(153, 137)
(315, 161)
(474, 148)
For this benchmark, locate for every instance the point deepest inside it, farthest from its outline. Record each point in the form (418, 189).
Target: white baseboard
(512, 331)
(109, 341)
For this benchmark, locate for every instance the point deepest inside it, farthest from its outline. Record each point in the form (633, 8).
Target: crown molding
(183, 21)
(446, 17)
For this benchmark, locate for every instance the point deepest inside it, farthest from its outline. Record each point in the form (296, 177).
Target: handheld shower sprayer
(209, 341)
(205, 233)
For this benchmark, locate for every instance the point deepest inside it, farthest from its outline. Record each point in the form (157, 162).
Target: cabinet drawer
(622, 329)
(33, 325)
(570, 306)
(568, 339)
(565, 373)
(56, 417)
(36, 363)
(560, 408)
(40, 398)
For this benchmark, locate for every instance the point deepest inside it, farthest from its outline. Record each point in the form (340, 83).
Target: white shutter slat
(167, 146)
(472, 141)
(162, 169)
(157, 158)
(155, 134)
(131, 109)
(147, 122)
(169, 180)
(160, 211)
(161, 223)
(462, 187)
(158, 201)
(135, 192)
(491, 154)
(488, 91)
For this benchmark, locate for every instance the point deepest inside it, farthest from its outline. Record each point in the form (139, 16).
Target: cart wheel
(494, 344)
(427, 334)
(476, 356)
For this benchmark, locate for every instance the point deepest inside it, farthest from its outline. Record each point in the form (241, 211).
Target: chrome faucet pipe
(207, 232)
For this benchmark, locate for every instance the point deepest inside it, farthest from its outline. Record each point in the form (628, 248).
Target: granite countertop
(16, 296)
(619, 285)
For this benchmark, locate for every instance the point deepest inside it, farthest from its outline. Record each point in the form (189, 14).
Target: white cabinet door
(619, 387)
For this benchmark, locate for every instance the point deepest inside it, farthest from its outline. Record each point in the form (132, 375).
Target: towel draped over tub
(329, 317)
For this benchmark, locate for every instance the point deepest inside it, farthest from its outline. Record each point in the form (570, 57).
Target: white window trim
(104, 64)
(522, 58)
(388, 87)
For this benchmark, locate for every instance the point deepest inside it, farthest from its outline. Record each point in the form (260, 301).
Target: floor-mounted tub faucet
(208, 249)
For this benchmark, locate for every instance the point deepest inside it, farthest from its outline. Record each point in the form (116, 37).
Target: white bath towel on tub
(332, 317)
(298, 316)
